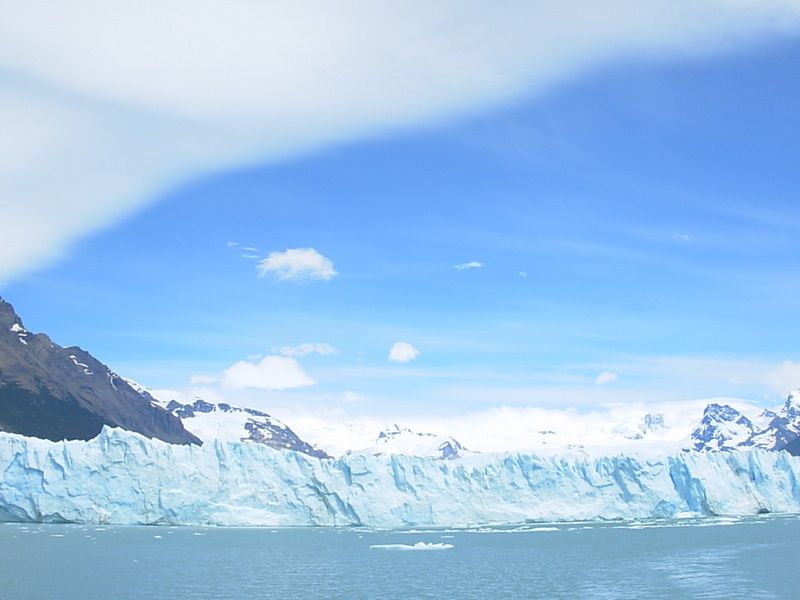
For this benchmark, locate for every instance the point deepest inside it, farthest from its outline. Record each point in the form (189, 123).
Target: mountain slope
(793, 447)
(725, 428)
(228, 423)
(57, 393)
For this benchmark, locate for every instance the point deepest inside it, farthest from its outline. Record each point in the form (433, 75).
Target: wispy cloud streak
(120, 107)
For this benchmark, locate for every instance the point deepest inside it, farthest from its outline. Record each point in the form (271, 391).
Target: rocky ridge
(57, 393)
(225, 422)
(724, 428)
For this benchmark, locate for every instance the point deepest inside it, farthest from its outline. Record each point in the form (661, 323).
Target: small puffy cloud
(306, 349)
(784, 378)
(270, 373)
(297, 264)
(523, 274)
(403, 352)
(606, 377)
(352, 397)
(470, 265)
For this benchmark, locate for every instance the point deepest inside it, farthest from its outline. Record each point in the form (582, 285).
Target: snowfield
(124, 478)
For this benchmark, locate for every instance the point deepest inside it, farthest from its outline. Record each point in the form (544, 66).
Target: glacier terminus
(121, 477)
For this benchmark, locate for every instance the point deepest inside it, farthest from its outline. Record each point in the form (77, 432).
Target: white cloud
(270, 373)
(784, 378)
(204, 379)
(470, 265)
(298, 264)
(122, 106)
(244, 251)
(606, 377)
(352, 397)
(306, 349)
(403, 352)
(523, 274)
(520, 428)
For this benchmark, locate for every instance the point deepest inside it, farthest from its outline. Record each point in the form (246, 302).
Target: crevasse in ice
(123, 478)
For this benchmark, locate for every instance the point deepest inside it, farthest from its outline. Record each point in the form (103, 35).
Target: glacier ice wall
(123, 478)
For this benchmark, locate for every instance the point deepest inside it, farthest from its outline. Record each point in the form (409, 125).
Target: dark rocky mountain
(56, 393)
(232, 423)
(783, 426)
(793, 447)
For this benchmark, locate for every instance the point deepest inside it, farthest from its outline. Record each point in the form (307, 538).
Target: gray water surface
(729, 559)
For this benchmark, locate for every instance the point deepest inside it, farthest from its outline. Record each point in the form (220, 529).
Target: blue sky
(627, 232)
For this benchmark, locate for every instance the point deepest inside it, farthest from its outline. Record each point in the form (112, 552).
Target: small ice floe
(417, 546)
(157, 537)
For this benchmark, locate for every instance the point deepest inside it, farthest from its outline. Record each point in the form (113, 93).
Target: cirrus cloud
(470, 265)
(307, 348)
(121, 107)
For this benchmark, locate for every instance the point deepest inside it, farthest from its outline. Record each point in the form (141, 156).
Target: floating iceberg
(417, 546)
(121, 477)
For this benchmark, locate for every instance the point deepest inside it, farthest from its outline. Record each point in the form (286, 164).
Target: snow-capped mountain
(651, 422)
(783, 424)
(725, 428)
(722, 428)
(231, 423)
(397, 440)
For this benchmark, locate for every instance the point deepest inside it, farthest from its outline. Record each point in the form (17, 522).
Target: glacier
(121, 477)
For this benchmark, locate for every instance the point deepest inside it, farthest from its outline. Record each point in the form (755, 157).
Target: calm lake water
(755, 558)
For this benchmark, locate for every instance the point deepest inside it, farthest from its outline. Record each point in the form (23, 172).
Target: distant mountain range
(397, 440)
(56, 393)
(722, 427)
(229, 423)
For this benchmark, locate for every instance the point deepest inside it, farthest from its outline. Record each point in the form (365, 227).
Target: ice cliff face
(123, 478)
